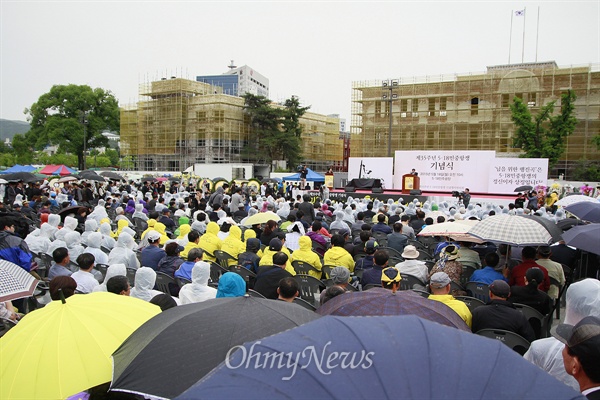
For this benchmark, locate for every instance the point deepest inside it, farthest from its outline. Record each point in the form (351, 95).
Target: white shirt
(415, 268)
(85, 281)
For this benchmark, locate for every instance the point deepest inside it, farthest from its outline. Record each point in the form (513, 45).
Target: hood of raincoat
(70, 223)
(212, 228)
(183, 231)
(105, 229)
(72, 238)
(125, 240)
(253, 245)
(235, 232)
(54, 220)
(184, 220)
(91, 225)
(249, 234)
(95, 240)
(47, 231)
(231, 285)
(305, 243)
(201, 273)
(113, 270)
(130, 207)
(122, 223)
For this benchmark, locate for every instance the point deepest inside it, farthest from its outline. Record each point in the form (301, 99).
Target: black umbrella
(523, 188)
(148, 179)
(550, 226)
(568, 223)
(65, 212)
(173, 350)
(112, 176)
(22, 176)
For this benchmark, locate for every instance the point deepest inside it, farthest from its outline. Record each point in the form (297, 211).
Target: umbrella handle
(62, 296)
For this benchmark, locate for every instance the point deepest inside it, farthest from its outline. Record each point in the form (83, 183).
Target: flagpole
(523, 47)
(537, 35)
(510, 37)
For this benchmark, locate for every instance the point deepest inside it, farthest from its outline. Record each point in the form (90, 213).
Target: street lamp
(389, 97)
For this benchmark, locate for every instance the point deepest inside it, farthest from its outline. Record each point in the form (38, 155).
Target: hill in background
(9, 128)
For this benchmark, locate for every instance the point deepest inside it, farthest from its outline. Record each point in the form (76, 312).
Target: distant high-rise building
(238, 81)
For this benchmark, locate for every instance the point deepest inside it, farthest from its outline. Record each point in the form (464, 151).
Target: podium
(410, 182)
(329, 181)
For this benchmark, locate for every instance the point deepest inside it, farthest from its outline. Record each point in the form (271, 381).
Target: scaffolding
(178, 123)
(471, 111)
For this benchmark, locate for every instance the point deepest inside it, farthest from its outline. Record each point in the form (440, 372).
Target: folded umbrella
(15, 282)
(523, 188)
(169, 353)
(112, 175)
(396, 357)
(587, 211)
(584, 237)
(64, 348)
(379, 301)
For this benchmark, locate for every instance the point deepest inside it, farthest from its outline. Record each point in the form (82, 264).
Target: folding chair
(479, 290)
(393, 253)
(225, 259)
(309, 288)
(102, 268)
(254, 293)
(163, 282)
(303, 268)
(181, 281)
(516, 342)
(131, 276)
(538, 322)
(380, 238)
(249, 276)
(370, 286)
(408, 282)
(303, 303)
(216, 271)
(471, 302)
(466, 273)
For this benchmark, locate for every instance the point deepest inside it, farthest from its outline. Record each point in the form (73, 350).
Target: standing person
(466, 197)
(303, 175)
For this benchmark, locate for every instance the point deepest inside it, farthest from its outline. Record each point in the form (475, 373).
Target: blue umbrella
(400, 357)
(585, 210)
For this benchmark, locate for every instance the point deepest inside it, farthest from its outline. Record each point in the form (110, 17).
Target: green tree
(59, 116)
(596, 141)
(276, 132)
(113, 156)
(23, 148)
(292, 150)
(544, 135)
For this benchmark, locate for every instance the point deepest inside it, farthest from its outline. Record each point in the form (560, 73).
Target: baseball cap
(451, 251)
(371, 246)
(153, 235)
(439, 280)
(500, 288)
(390, 274)
(583, 337)
(275, 244)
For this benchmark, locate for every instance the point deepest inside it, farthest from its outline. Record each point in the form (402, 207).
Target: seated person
(372, 276)
(492, 270)
(61, 259)
(118, 284)
(288, 289)
(367, 262)
(268, 277)
(412, 266)
(529, 294)
(439, 286)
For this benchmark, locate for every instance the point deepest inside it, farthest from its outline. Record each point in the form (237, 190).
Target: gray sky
(313, 50)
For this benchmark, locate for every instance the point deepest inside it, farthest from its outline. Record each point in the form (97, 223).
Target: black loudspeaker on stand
(415, 192)
(377, 190)
(349, 189)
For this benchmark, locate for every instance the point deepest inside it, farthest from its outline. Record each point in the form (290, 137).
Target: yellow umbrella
(65, 348)
(261, 218)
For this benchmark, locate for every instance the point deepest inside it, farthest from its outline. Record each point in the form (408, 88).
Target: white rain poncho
(339, 221)
(99, 212)
(123, 252)
(348, 215)
(53, 221)
(39, 240)
(72, 241)
(107, 240)
(68, 226)
(91, 226)
(95, 240)
(138, 213)
(198, 290)
(113, 270)
(145, 278)
(583, 299)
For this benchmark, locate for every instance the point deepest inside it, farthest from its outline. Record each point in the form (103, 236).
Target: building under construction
(178, 123)
(472, 111)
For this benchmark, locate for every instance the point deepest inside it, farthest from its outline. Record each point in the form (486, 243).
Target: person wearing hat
(277, 244)
(152, 254)
(340, 277)
(439, 285)
(367, 262)
(448, 263)
(390, 279)
(555, 270)
(492, 270)
(372, 276)
(582, 353)
(412, 266)
(582, 299)
(268, 277)
(530, 295)
(167, 220)
(499, 313)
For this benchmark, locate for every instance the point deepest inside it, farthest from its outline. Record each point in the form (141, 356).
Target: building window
(443, 103)
(219, 116)
(388, 104)
(532, 100)
(519, 95)
(201, 116)
(431, 107)
(504, 101)
(377, 108)
(415, 105)
(475, 106)
(403, 105)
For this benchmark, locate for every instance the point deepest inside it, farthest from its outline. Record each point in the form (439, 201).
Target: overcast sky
(313, 50)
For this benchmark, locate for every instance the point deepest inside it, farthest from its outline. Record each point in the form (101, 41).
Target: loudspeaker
(377, 190)
(415, 192)
(349, 189)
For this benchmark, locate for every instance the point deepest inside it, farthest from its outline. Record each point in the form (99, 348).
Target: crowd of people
(118, 237)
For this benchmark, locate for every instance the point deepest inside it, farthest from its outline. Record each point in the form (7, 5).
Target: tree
(276, 133)
(596, 141)
(59, 116)
(545, 135)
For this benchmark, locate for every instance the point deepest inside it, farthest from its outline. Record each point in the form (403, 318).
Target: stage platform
(438, 197)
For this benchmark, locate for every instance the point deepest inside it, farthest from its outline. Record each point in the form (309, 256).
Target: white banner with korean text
(506, 174)
(446, 171)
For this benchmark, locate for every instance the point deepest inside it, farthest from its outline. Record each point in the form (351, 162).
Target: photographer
(466, 197)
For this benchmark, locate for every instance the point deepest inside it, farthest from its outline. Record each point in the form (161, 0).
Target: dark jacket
(267, 280)
(397, 241)
(309, 211)
(532, 297)
(15, 250)
(372, 276)
(501, 314)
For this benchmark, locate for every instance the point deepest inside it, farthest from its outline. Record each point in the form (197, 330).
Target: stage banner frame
(508, 173)
(379, 167)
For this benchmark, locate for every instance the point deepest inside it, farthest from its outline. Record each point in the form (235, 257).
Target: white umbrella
(511, 229)
(15, 282)
(576, 198)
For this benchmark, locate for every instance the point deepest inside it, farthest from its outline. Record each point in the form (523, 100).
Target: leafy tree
(113, 156)
(596, 141)
(276, 133)
(23, 149)
(58, 117)
(545, 134)
(586, 170)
